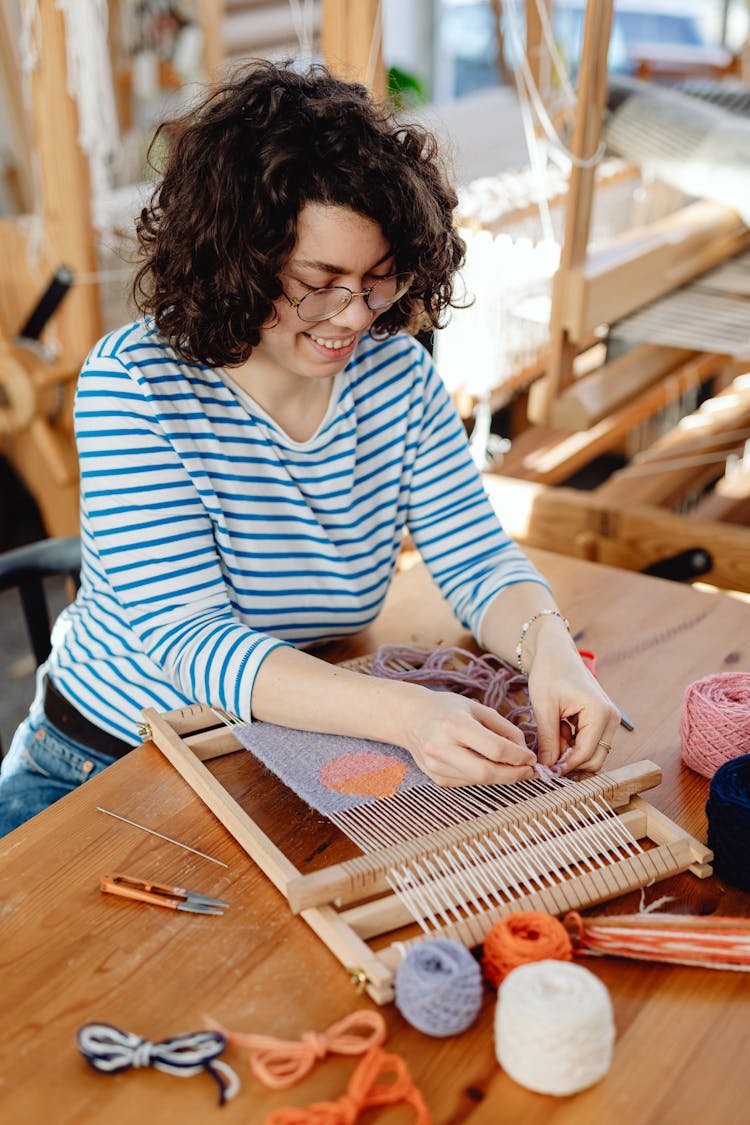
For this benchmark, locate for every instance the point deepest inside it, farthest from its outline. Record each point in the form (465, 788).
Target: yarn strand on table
(364, 1091)
(279, 1063)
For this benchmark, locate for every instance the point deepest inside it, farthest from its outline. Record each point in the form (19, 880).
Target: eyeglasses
(322, 304)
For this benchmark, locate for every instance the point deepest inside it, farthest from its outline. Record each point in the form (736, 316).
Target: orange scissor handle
(140, 889)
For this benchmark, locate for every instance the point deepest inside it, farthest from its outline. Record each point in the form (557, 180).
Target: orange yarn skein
(364, 1092)
(520, 938)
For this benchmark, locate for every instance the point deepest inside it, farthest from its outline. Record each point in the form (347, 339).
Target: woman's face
(335, 246)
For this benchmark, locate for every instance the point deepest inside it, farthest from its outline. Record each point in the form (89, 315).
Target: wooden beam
(591, 398)
(690, 456)
(537, 54)
(548, 456)
(591, 100)
(210, 15)
(634, 536)
(639, 266)
(729, 499)
(352, 43)
(65, 185)
(16, 110)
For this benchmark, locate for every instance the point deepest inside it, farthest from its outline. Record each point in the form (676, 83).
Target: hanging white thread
(557, 60)
(303, 17)
(521, 66)
(554, 1027)
(28, 40)
(90, 83)
(375, 42)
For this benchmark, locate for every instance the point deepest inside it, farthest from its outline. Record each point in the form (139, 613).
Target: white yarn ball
(554, 1027)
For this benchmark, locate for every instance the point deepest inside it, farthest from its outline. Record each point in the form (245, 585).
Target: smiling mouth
(331, 345)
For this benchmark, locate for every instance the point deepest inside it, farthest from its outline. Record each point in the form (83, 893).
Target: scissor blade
(199, 908)
(193, 896)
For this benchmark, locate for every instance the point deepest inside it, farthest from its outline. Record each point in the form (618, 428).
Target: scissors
(174, 898)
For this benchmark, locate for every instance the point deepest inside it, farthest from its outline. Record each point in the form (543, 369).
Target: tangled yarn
(554, 1027)
(485, 678)
(439, 987)
(520, 938)
(715, 721)
(728, 812)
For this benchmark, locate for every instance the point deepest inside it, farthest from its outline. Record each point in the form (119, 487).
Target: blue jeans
(42, 765)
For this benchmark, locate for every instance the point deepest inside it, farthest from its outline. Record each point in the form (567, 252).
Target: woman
(253, 449)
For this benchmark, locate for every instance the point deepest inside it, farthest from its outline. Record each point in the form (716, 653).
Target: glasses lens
(322, 304)
(387, 292)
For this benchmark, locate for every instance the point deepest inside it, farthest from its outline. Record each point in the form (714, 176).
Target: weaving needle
(169, 839)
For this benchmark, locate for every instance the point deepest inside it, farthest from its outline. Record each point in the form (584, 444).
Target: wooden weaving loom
(449, 861)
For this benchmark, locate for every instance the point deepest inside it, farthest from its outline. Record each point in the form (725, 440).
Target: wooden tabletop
(70, 955)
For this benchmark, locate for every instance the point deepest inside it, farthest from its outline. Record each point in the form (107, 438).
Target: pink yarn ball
(715, 722)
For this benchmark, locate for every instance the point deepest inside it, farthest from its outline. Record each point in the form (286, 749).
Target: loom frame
(190, 737)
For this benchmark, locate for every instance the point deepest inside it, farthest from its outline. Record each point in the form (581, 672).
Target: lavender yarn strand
(486, 678)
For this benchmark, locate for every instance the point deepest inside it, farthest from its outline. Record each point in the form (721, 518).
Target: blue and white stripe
(210, 537)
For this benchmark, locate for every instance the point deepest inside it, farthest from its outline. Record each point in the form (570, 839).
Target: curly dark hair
(223, 220)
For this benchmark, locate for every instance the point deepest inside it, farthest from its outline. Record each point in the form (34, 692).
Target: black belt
(64, 716)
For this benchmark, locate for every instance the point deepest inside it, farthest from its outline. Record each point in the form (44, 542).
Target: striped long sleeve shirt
(210, 537)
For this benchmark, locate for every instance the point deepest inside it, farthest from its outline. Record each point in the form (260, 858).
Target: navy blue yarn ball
(439, 987)
(728, 812)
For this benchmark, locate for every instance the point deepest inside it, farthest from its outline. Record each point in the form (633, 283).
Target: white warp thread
(554, 1027)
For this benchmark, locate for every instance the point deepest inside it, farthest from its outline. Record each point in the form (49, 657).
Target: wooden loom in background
(429, 862)
(689, 267)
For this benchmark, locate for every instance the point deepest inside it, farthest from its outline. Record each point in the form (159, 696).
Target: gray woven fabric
(299, 757)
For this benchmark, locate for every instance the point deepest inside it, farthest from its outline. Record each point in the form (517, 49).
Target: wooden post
(538, 58)
(591, 98)
(211, 13)
(352, 41)
(65, 187)
(18, 118)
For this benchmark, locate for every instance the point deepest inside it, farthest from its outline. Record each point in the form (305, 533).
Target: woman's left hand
(576, 720)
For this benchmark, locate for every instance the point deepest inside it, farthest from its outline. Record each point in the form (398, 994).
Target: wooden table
(71, 955)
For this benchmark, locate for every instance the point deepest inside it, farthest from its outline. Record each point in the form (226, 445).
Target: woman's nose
(356, 316)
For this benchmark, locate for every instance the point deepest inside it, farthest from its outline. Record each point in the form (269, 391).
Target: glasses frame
(295, 302)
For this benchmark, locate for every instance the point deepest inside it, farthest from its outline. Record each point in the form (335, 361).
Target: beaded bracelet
(527, 625)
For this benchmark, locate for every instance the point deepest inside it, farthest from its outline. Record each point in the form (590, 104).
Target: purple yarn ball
(439, 987)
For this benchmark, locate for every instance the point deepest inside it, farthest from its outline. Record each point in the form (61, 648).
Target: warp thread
(110, 1051)
(279, 1063)
(521, 938)
(438, 987)
(554, 1027)
(715, 721)
(728, 812)
(363, 1092)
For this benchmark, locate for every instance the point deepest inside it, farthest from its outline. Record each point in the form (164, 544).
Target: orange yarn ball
(520, 938)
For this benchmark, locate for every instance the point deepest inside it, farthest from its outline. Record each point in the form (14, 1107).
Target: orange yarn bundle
(364, 1092)
(520, 938)
(715, 721)
(278, 1063)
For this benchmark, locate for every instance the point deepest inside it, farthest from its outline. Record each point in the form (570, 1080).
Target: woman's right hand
(457, 741)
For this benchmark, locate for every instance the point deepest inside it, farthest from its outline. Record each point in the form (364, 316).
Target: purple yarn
(486, 678)
(439, 987)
